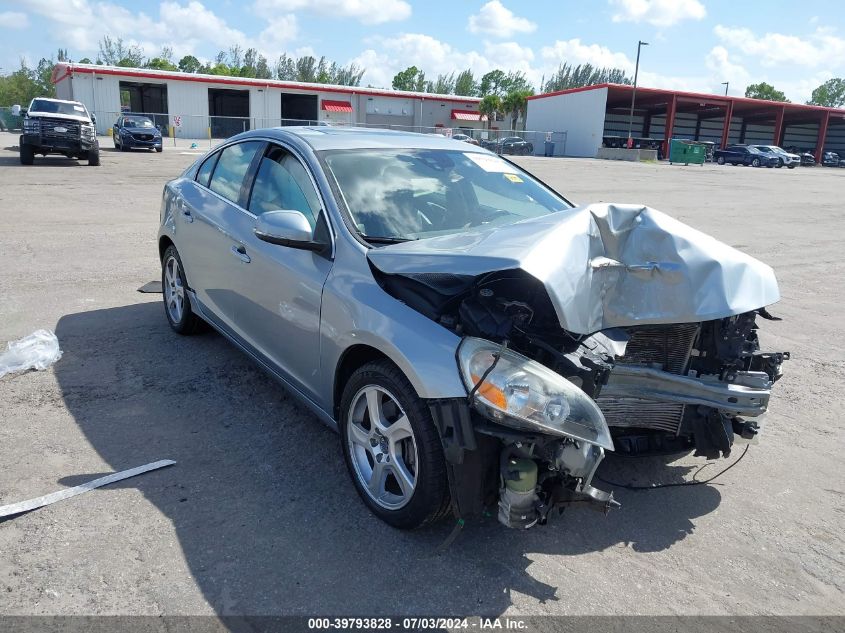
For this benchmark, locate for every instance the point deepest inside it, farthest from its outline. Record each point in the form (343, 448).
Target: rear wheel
(721, 160)
(392, 449)
(27, 153)
(174, 286)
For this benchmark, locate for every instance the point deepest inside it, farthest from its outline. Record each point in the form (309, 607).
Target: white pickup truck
(53, 126)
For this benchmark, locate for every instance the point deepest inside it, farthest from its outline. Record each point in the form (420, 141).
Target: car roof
(327, 137)
(57, 100)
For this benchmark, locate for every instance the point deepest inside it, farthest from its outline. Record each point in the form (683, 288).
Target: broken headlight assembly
(515, 391)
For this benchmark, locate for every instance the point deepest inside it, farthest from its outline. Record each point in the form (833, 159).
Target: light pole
(726, 84)
(640, 44)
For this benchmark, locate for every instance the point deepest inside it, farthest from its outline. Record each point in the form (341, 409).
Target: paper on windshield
(490, 163)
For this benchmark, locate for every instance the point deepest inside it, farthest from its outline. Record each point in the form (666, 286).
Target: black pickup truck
(53, 126)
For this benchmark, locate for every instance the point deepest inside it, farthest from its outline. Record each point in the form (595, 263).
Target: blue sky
(694, 44)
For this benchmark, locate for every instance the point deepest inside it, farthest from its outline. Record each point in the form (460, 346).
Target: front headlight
(32, 126)
(524, 394)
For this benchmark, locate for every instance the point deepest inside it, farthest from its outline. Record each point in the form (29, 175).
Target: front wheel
(27, 154)
(159, 149)
(94, 156)
(177, 306)
(392, 448)
(720, 160)
(792, 166)
(755, 162)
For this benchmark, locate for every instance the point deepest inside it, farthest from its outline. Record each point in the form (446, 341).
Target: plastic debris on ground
(38, 351)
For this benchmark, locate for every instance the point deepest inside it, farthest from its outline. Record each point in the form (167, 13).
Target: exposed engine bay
(664, 388)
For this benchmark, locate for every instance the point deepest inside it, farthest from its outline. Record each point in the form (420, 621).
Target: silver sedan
(476, 339)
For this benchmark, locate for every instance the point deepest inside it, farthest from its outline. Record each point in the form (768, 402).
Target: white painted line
(39, 502)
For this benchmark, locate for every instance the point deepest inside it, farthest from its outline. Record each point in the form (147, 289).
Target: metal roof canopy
(670, 102)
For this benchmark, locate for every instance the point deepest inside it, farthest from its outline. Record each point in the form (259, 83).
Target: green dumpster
(686, 152)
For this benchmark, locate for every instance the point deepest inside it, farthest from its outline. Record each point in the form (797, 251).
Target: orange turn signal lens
(491, 393)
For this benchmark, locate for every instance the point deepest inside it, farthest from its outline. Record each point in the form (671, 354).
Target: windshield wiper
(384, 239)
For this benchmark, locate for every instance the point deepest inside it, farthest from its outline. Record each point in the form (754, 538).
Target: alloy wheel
(174, 291)
(382, 446)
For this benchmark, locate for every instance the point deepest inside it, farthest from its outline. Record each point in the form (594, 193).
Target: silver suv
(475, 338)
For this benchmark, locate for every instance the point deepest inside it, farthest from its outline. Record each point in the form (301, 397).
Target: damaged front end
(608, 328)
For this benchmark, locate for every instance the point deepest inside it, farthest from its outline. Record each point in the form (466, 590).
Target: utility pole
(726, 84)
(640, 44)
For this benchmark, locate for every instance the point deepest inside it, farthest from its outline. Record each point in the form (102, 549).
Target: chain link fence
(209, 130)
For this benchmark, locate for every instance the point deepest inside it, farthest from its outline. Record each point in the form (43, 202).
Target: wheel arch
(351, 359)
(164, 242)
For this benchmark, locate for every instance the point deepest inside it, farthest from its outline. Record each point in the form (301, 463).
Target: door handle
(240, 252)
(185, 210)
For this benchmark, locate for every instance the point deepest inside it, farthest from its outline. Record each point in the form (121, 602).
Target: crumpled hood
(603, 265)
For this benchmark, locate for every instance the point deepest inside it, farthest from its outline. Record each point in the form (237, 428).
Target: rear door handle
(185, 210)
(240, 252)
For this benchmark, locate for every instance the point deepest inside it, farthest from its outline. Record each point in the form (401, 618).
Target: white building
(198, 105)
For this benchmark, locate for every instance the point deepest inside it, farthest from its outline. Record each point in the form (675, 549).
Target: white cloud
(497, 20)
(660, 13)
(13, 20)
(575, 52)
(80, 24)
(822, 47)
(723, 69)
(365, 11)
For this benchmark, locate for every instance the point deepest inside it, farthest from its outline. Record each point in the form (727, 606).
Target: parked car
(514, 145)
(830, 159)
(471, 334)
(55, 126)
(136, 131)
(465, 138)
(745, 155)
(785, 159)
(807, 159)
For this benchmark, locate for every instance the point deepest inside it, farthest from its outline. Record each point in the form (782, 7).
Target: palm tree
(515, 104)
(490, 105)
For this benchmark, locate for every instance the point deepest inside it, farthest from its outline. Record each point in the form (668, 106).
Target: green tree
(113, 52)
(490, 105)
(493, 83)
(189, 64)
(85, 60)
(515, 105)
(26, 83)
(831, 94)
(412, 78)
(159, 63)
(465, 84)
(443, 85)
(568, 76)
(765, 91)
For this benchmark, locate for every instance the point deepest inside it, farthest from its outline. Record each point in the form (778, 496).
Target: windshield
(55, 107)
(406, 194)
(137, 122)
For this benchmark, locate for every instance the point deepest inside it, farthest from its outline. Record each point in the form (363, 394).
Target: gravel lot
(259, 515)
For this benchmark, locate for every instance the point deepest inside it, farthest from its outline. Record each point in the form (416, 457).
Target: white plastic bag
(39, 350)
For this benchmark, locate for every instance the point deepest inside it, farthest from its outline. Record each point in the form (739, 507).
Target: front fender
(357, 311)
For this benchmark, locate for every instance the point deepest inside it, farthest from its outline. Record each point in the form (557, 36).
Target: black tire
(189, 323)
(27, 154)
(430, 500)
(94, 157)
(159, 149)
(755, 162)
(780, 163)
(123, 147)
(792, 166)
(720, 160)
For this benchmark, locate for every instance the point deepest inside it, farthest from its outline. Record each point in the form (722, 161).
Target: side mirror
(287, 228)
(16, 110)
(93, 118)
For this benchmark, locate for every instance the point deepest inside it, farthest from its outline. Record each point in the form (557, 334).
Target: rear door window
(232, 166)
(204, 172)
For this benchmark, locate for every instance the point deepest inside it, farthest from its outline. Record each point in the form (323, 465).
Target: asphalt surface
(259, 515)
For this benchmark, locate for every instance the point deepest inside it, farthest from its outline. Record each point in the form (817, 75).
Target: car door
(208, 220)
(280, 288)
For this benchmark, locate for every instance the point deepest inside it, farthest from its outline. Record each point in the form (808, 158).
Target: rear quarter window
(204, 172)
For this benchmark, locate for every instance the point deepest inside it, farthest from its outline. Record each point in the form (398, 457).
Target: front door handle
(240, 252)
